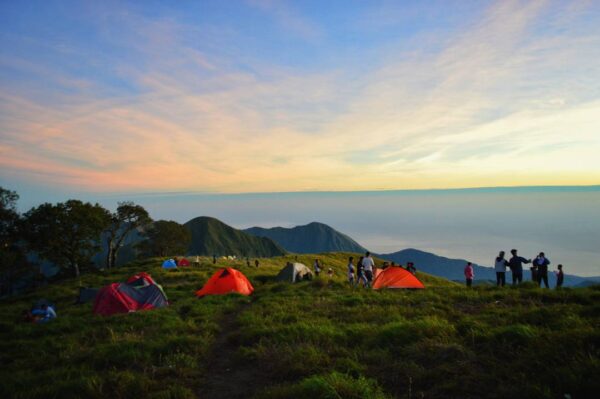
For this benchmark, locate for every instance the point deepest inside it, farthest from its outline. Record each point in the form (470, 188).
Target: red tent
(396, 277)
(226, 281)
(142, 278)
(183, 262)
(140, 292)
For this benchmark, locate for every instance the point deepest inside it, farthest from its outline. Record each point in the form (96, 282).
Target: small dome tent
(169, 264)
(294, 272)
(396, 277)
(184, 262)
(226, 281)
(140, 292)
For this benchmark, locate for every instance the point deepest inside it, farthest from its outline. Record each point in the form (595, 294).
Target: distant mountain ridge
(314, 237)
(453, 269)
(210, 237)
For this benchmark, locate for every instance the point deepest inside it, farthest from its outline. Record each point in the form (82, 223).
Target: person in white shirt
(368, 265)
(351, 271)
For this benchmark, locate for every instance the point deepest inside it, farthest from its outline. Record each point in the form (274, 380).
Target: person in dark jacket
(516, 266)
(560, 277)
(541, 263)
(500, 268)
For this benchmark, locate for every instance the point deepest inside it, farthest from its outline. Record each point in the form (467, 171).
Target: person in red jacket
(469, 274)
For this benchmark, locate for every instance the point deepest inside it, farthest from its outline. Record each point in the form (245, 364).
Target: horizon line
(591, 187)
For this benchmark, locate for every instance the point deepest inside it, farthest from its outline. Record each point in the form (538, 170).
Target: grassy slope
(313, 339)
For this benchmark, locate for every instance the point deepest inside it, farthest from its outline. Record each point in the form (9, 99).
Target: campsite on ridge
(311, 339)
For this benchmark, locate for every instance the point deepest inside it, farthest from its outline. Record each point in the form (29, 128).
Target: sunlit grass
(319, 338)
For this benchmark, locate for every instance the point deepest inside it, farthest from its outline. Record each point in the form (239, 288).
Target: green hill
(312, 238)
(317, 339)
(210, 237)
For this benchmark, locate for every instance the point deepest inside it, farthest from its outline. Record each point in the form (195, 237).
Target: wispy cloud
(289, 18)
(507, 99)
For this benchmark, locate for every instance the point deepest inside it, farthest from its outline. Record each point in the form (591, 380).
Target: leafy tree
(9, 217)
(66, 233)
(12, 258)
(126, 219)
(166, 237)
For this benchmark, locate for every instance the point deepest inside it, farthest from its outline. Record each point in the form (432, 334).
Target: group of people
(539, 270)
(363, 272)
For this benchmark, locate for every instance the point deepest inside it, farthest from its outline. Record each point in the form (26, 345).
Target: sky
(130, 97)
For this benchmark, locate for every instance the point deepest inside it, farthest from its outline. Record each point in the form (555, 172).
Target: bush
(514, 335)
(331, 386)
(402, 333)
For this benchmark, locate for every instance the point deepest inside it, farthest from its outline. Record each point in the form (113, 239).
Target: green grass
(317, 339)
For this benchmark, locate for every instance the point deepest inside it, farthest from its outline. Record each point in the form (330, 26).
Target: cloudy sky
(263, 96)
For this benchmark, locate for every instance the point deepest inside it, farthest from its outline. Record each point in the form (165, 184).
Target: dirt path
(226, 376)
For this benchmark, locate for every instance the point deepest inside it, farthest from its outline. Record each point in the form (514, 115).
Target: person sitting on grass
(351, 271)
(411, 267)
(43, 314)
(469, 274)
(560, 277)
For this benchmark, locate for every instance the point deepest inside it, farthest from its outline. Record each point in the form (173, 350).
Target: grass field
(317, 339)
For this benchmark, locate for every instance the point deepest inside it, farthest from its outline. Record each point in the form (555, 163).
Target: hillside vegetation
(210, 237)
(316, 339)
(314, 237)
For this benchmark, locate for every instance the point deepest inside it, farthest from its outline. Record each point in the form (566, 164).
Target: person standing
(317, 267)
(360, 272)
(368, 265)
(541, 263)
(351, 271)
(500, 268)
(256, 263)
(560, 277)
(469, 274)
(516, 266)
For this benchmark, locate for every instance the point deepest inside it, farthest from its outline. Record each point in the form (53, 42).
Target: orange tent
(376, 272)
(226, 281)
(396, 277)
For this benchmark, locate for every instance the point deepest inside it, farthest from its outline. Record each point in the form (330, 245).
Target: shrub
(514, 335)
(401, 333)
(331, 386)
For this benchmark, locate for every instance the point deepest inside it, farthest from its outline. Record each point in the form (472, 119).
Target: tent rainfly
(294, 272)
(226, 281)
(396, 277)
(140, 292)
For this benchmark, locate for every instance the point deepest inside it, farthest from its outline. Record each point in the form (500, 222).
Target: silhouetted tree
(166, 237)
(127, 218)
(12, 258)
(67, 233)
